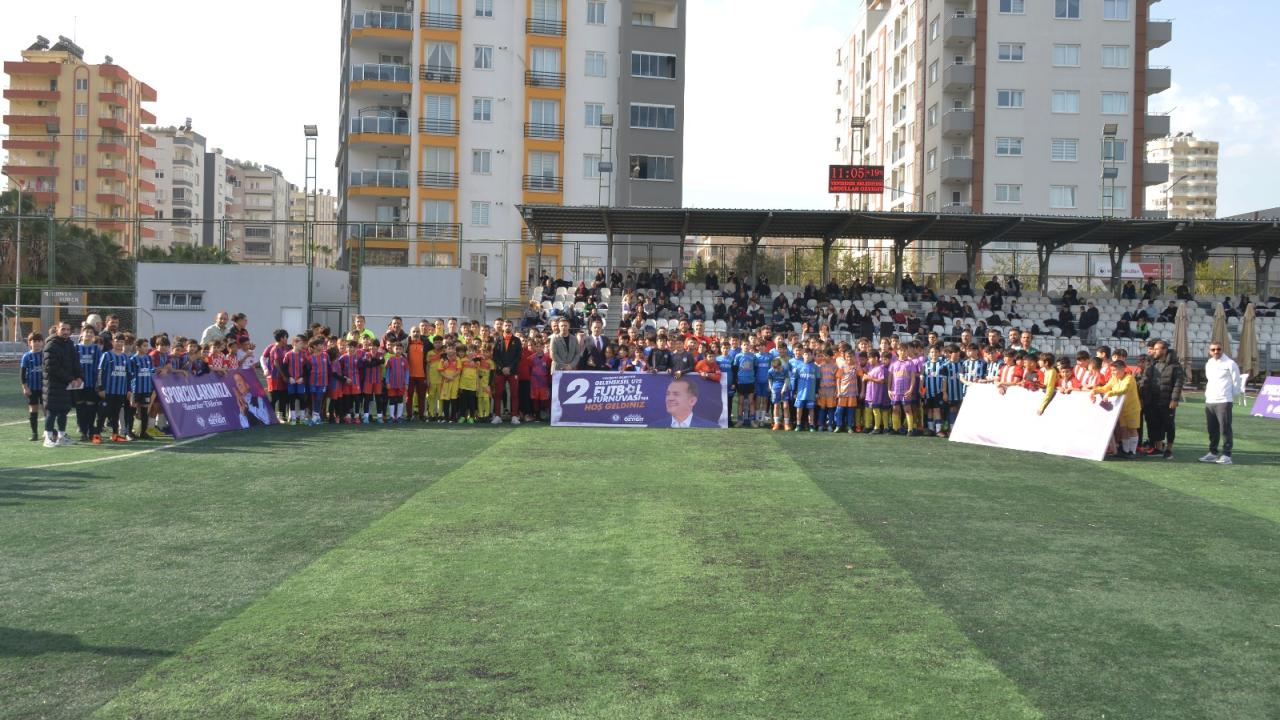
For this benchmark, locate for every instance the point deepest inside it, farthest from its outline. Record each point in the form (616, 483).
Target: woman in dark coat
(61, 368)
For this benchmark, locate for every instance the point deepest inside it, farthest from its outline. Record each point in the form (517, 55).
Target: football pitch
(537, 572)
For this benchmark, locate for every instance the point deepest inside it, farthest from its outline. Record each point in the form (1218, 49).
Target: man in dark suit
(506, 358)
(681, 398)
(593, 349)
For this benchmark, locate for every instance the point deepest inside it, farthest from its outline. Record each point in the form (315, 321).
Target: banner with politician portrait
(609, 399)
(212, 403)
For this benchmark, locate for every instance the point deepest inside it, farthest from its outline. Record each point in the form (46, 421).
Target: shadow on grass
(32, 485)
(16, 642)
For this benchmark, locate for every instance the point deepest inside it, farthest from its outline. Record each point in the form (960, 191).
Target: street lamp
(17, 258)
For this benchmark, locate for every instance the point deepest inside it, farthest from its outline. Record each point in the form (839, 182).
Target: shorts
(806, 404)
(297, 389)
(762, 388)
(318, 389)
(826, 402)
(902, 402)
(34, 398)
(779, 396)
(935, 402)
(87, 395)
(746, 388)
(141, 399)
(846, 402)
(395, 395)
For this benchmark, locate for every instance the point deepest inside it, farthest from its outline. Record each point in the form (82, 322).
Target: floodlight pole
(17, 265)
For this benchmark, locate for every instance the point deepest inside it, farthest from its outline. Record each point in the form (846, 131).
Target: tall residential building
(219, 197)
(74, 138)
(510, 103)
(1192, 188)
(1003, 106)
(180, 187)
(324, 232)
(258, 221)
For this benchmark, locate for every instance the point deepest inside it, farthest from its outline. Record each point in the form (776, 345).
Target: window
(81, 160)
(1066, 55)
(931, 160)
(1066, 101)
(1115, 103)
(482, 109)
(437, 212)
(1009, 147)
(81, 84)
(484, 57)
(595, 12)
(933, 115)
(484, 8)
(1066, 10)
(591, 166)
(544, 165)
(258, 233)
(83, 134)
(1062, 196)
(178, 300)
(653, 117)
(652, 167)
(82, 109)
(931, 202)
(594, 114)
(480, 263)
(1010, 52)
(480, 214)
(79, 211)
(78, 185)
(1064, 149)
(1008, 193)
(1115, 9)
(1113, 198)
(1113, 149)
(1115, 56)
(933, 29)
(1009, 98)
(481, 162)
(595, 64)
(653, 65)
(643, 18)
(933, 72)
(1012, 7)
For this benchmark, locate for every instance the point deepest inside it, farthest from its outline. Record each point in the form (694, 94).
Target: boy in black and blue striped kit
(32, 375)
(89, 351)
(113, 386)
(141, 370)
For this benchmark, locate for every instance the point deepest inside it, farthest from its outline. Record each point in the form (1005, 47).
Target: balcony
(112, 173)
(1159, 33)
(438, 231)
(184, 162)
(146, 162)
(544, 131)
(380, 20)
(437, 179)
(31, 143)
(541, 79)
(146, 209)
(1154, 173)
(440, 21)
(146, 186)
(113, 146)
(553, 28)
(111, 225)
(44, 197)
(147, 93)
(957, 123)
(957, 208)
(115, 124)
(379, 130)
(383, 73)
(114, 72)
(110, 198)
(543, 183)
(1157, 126)
(437, 126)
(382, 231)
(447, 75)
(380, 178)
(957, 170)
(146, 140)
(1159, 79)
(47, 95)
(46, 69)
(958, 78)
(48, 122)
(959, 32)
(31, 170)
(113, 98)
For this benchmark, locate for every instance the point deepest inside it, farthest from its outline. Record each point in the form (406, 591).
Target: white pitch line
(109, 458)
(15, 422)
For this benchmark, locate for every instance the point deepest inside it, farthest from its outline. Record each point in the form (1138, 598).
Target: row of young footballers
(356, 380)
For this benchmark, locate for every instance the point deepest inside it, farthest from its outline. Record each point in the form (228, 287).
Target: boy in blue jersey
(779, 379)
(726, 371)
(32, 374)
(89, 351)
(955, 387)
(113, 386)
(804, 391)
(935, 375)
(744, 372)
(141, 371)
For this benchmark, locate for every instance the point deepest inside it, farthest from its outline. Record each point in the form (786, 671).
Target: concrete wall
(415, 293)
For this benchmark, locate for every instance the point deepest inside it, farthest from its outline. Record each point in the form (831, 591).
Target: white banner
(1072, 425)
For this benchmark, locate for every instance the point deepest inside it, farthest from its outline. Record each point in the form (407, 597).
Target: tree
(197, 255)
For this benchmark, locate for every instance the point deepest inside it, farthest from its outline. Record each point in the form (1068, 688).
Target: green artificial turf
(539, 572)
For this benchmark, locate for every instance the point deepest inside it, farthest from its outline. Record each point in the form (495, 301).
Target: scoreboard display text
(856, 179)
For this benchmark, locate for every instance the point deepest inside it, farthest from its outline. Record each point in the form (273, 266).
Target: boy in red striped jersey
(397, 382)
(297, 367)
(370, 365)
(318, 378)
(349, 371)
(273, 368)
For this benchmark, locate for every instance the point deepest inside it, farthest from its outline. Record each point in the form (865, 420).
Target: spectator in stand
(1014, 285)
(1182, 292)
(1129, 292)
(1150, 290)
(1071, 296)
(962, 286)
(1223, 383)
(1066, 321)
(1170, 313)
(1088, 323)
(711, 280)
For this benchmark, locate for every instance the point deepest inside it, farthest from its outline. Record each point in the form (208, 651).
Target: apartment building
(257, 226)
(75, 141)
(324, 232)
(1003, 106)
(219, 197)
(180, 183)
(1192, 188)
(454, 112)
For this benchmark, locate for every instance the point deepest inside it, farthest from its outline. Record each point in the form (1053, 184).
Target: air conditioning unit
(405, 99)
(404, 202)
(404, 153)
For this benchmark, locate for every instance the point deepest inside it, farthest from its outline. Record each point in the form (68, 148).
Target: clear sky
(760, 84)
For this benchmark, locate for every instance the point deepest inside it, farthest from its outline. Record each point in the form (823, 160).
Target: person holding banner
(1122, 384)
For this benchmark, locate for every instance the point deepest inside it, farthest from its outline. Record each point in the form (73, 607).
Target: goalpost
(19, 320)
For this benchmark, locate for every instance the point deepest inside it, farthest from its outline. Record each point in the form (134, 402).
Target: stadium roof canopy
(1048, 233)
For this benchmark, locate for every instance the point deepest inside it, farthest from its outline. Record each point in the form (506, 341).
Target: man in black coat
(507, 350)
(1088, 321)
(61, 371)
(1160, 388)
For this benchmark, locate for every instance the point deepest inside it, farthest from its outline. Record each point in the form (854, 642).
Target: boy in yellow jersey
(484, 371)
(450, 372)
(434, 360)
(468, 384)
(1123, 385)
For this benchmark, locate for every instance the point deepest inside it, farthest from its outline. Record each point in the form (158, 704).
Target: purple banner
(1268, 402)
(213, 403)
(607, 399)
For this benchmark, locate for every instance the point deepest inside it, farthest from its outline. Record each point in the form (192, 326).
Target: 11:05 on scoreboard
(857, 179)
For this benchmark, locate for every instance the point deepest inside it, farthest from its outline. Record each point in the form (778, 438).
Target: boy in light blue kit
(779, 392)
(764, 360)
(744, 367)
(804, 384)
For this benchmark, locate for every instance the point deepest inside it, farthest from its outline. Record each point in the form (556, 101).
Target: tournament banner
(213, 403)
(631, 399)
(1072, 426)
(1268, 402)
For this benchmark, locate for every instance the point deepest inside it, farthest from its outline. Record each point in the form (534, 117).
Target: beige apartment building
(74, 138)
(325, 232)
(1192, 188)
